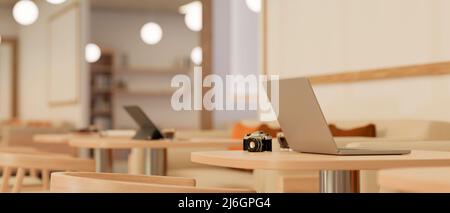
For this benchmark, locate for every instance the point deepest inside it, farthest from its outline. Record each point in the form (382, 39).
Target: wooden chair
(23, 150)
(33, 173)
(37, 161)
(123, 183)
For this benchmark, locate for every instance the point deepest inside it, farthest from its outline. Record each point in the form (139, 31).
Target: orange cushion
(39, 124)
(239, 132)
(364, 131)
(13, 122)
(270, 131)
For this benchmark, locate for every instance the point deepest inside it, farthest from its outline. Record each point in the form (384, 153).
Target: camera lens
(255, 145)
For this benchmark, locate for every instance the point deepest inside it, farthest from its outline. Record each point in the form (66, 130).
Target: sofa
(390, 133)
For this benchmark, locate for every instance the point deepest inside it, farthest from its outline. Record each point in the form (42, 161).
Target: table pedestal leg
(339, 181)
(136, 161)
(155, 162)
(102, 161)
(84, 153)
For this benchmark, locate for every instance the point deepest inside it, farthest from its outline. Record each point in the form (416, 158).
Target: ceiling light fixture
(56, 1)
(193, 15)
(197, 56)
(93, 53)
(25, 12)
(151, 33)
(254, 5)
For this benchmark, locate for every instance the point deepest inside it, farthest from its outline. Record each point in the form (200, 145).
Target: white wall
(8, 26)
(310, 37)
(33, 70)
(236, 49)
(119, 31)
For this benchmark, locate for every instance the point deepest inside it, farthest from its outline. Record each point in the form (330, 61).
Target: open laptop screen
(147, 130)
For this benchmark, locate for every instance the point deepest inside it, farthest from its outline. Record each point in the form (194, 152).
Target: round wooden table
(52, 138)
(102, 165)
(337, 173)
(149, 153)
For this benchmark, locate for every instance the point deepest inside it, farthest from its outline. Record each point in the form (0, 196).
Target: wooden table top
(301, 161)
(416, 180)
(59, 138)
(128, 143)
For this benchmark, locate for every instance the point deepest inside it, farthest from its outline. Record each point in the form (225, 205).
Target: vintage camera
(258, 142)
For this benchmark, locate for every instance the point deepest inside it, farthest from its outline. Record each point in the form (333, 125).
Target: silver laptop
(304, 124)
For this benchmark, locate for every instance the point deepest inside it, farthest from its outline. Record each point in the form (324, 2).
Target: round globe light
(254, 5)
(56, 1)
(151, 33)
(25, 12)
(194, 17)
(92, 53)
(197, 56)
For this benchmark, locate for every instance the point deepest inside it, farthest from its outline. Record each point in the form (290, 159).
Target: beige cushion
(413, 145)
(405, 130)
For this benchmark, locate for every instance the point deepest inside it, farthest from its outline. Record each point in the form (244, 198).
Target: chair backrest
(23, 136)
(22, 150)
(30, 160)
(121, 183)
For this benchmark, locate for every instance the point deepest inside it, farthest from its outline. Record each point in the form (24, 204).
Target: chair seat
(217, 177)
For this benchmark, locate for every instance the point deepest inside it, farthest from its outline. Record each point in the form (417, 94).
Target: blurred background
(81, 61)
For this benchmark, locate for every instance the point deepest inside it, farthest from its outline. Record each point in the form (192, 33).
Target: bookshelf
(161, 93)
(101, 92)
(126, 76)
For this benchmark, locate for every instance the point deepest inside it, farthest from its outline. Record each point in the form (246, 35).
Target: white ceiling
(149, 5)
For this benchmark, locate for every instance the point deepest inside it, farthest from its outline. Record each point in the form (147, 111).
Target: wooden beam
(207, 47)
(442, 68)
(15, 75)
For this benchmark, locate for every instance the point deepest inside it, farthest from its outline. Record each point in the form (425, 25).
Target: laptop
(305, 126)
(148, 130)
